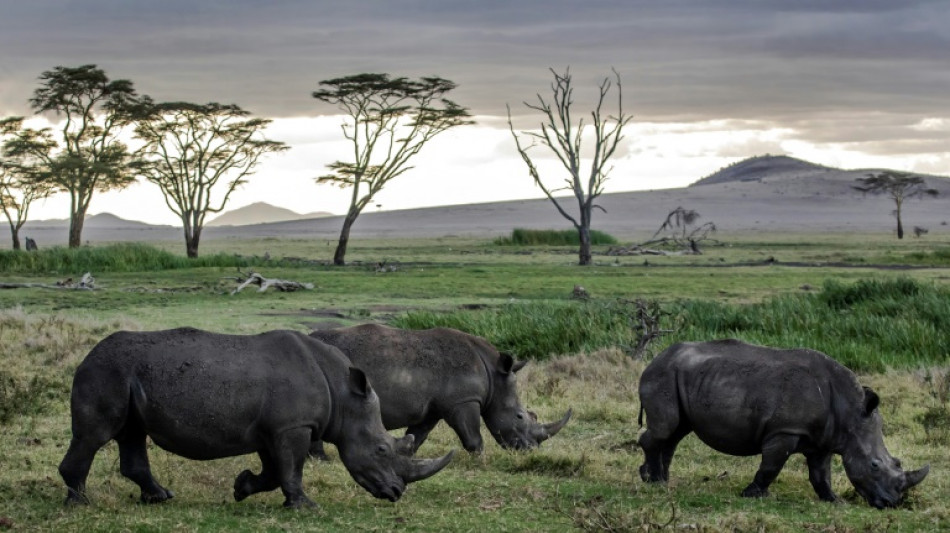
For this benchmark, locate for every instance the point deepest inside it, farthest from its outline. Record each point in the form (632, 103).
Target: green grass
(889, 322)
(122, 257)
(547, 237)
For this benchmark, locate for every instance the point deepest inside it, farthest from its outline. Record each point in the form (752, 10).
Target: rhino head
(509, 423)
(379, 462)
(876, 475)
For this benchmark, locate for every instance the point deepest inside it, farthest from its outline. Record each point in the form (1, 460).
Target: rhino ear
(507, 364)
(871, 401)
(359, 382)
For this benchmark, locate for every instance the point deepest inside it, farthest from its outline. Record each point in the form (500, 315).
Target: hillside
(260, 213)
(759, 167)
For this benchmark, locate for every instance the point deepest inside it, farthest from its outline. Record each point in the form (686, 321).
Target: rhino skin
(423, 376)
(205, 396)
(743, 399)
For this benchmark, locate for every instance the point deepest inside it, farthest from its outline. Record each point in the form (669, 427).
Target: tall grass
(123, 257)
(538, 330)
(550, 237)
(868, 326)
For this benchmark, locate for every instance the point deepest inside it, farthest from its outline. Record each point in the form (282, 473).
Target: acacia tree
(899, 186)
(562, 137)
(21, 171)
(90, 157)
(389, 121)
(198, 155)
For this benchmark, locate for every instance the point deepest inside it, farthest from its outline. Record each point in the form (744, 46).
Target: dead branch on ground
(85, 283)
(253, 278)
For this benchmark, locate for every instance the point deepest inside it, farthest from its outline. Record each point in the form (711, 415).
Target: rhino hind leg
(248, 483)
(133, 464)
(75, 466)
(289, 450)
(819, 474)
(658, 453)
(94, 423)
(775, 452)
(318, 452)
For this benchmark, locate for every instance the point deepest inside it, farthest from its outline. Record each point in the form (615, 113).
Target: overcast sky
(862, 83)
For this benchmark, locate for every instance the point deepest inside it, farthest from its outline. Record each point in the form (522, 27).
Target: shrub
(549, 237)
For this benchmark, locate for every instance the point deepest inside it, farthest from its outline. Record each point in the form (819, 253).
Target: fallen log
(253, 278)
(86, 283)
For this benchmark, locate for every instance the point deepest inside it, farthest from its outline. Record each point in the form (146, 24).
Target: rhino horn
(418, 469)
(545, 431)
(914, 477)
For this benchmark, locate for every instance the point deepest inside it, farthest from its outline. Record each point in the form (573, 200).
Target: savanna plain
(878, 305)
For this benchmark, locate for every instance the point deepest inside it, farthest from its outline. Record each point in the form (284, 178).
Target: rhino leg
(248, 483)
(317, 451)
(465, 420)
(658, 452)
(775, 452)
(75, 467)
(289, 451)
(819, 474)
(133, 464)
(420, 432)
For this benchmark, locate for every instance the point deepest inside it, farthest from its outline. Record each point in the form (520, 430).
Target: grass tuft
(122, 257)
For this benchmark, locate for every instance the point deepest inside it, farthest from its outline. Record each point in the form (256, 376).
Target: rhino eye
(382, 449)
(875, 464)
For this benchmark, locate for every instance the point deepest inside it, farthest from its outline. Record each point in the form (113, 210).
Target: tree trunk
(584, 257)
(76, 221)
(16, 237)
(900, 225)
(340, 253)
(191, 244)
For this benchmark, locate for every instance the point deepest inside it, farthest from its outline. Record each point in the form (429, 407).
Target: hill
(764, 166)
(260, 213)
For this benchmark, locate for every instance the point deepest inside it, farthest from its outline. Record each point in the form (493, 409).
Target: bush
(550, 237)
(123, 257)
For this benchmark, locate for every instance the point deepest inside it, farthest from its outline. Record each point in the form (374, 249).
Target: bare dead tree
(681, 229)
(561, 136)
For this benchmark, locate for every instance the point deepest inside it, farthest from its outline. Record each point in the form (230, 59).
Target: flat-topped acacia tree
(899, 186)
(22, 171)
(563, 137)
(388, 122)
(198, 154)
(90, 156)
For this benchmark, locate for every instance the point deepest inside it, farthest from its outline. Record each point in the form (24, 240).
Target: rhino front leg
(317, 451)
(290, 452)
(819, 474)
(133, 464)
(775, 452)
(247, 483)
(465, 420)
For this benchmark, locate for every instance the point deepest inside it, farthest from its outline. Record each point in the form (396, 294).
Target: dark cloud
(685, 60)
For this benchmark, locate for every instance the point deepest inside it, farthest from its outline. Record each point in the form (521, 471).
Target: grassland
(585, 478)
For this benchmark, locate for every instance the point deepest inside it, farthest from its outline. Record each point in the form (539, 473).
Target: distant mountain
(102, 220)
(763, 166)
(260, 213)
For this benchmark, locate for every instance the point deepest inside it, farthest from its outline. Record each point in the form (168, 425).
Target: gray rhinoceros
(423, 376)
(204, 396)
(742, 399)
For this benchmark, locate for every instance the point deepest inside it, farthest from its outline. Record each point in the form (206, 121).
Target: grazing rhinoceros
(423, 376)
(743, 399)
(204, 396)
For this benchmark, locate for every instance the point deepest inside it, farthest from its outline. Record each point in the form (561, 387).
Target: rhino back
(735, 394)
(204, 395)
(416, 373)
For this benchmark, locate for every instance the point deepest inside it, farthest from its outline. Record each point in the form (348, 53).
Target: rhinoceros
(743, 399)
(423, 376)
(204, 396)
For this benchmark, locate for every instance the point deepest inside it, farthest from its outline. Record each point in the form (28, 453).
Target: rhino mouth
(380, 490)
(878, 500)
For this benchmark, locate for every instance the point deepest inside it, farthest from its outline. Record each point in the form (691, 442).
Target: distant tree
(22, 171)
(389, 121)
(563, 137)
(899, 186)
(198, 155)
(90, 157)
